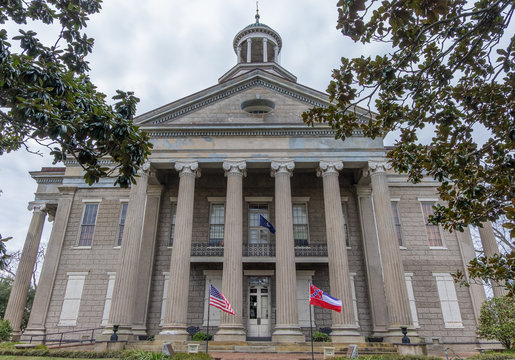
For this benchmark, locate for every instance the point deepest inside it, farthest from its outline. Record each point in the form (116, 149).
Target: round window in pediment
(258, 106)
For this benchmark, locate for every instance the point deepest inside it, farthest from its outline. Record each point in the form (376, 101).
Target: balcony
(207, 249)
(309, 250)
(259, 250)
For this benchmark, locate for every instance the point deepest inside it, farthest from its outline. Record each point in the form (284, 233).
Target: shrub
(319, 336)
(326, 330)
(192, 330)
(497, 321)
(201, 336)
(5, 330)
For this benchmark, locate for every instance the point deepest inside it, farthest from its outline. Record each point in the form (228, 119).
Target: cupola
(257, 43)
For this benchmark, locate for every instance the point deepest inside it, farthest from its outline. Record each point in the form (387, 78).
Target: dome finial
(257, 12)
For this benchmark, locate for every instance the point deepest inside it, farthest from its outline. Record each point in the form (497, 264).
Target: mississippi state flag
(319, 298)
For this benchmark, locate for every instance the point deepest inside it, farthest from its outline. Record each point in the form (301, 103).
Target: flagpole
(310, 333)
(208, 311)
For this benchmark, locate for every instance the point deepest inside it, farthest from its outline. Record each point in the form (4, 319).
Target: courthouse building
(143, 258)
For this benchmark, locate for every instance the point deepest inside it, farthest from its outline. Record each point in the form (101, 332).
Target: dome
(257, 43)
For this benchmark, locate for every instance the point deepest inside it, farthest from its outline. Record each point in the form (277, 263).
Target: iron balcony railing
(257, 250)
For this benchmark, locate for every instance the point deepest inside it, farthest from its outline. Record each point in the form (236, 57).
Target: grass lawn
(15, 357)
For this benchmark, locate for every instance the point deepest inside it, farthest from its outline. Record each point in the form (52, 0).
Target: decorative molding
(328, 167)
(235, 167)
(92, 200)
(300, 199)
(189, 168)
(48, 180)
(378, 166)
(216, 199)
(258, 272)
(181, 133)
(284, 166)
(259, 199)
(37, 206)
(433, 199)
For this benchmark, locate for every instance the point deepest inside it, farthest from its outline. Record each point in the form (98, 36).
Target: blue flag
(264, 222)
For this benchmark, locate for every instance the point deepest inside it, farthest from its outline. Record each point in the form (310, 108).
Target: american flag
(217, 300)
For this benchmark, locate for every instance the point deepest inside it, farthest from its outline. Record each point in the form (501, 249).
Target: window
(397, 221)
(172, 229)
(72, 296)
(433, 231)
(411, 297)
(257, 234)
(123, 213)
(216, 225)
(89, 219)
(109, 297)
(300, 225)
(346, 224)
(448, 300)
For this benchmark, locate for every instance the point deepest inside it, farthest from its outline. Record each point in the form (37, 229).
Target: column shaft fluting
(21, 285)
(125, 284)
(399, 313)
(175, 320)
(489, 242)
(231, 326)
(339, 278)
(287, 319)
(38, 314)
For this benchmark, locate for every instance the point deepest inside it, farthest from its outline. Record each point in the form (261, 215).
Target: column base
(34, 335)
(139, 330)
(288, 334)
(15, 335)
(346, 334)
(230, 332)
(173, 333)
(395, 336)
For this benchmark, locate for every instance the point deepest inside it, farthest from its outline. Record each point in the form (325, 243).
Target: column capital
(378, 166)
(190, 168)
(329, 167)
(363, 191)
(282, 167)
(235, 167)
(37, 206)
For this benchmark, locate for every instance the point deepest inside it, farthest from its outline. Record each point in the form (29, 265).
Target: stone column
(372, 261)
(265, 50)
(124, 292)
(38, 314)
(231, 327)
(287, 320)
(175, 320)
(21, 285)
(249, 49)
(397, 302)
(343, 323)
(276, 54)
(490, 248)
(146, 259)
(238, 50)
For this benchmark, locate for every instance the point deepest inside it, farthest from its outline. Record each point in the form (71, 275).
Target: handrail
(62, 333)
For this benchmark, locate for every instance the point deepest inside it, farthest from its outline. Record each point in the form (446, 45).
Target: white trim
(81, 247)
(354, 297)
(411, 298)
(216, 199)
(124, 200)
(438, 247)
(92, 200)
(173, 199)
(72, 298)
(77, 273)
(259, 199)
(344, 198)
(166, 275)
(422, 199)
(395, 199)
(300, 199)
(448, 300)
(109, 297)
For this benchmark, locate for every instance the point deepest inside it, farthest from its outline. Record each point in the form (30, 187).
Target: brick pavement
(263, 356)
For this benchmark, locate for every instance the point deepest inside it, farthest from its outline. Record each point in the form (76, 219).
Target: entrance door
(258, 325)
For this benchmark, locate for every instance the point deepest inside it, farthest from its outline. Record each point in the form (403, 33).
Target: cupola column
(265, 50)
(287, 320)
(239, 54)
(249, 49)
(344, 323)
(276, 54)
(231, 327)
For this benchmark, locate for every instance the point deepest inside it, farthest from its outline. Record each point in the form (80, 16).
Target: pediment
(221, 104)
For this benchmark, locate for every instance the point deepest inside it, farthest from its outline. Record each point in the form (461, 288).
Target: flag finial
(257, 12)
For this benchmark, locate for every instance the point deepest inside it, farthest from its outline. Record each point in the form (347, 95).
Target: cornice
(269, 132)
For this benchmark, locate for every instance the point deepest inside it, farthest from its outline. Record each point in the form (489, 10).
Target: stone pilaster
(21, 285)
(37, 320)
(146, 259)
(124, 292)
(175, 320)
(490, 249)
(287, 320)
(343, 323)
(372, 257)
(399, 313)
(231, 327)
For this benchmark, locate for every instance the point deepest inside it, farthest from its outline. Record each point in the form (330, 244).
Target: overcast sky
(164, 50)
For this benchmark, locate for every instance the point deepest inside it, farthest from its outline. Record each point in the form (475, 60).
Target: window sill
(403, 248)
(81, 247)
(454, 326)
(438, 248)
(349, 248)
(117, 247)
